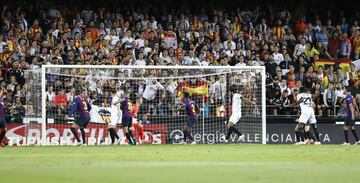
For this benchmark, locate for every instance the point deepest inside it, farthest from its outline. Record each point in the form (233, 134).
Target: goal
(161, 113)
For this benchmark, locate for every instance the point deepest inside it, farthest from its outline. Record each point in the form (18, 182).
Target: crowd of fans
(286, 44)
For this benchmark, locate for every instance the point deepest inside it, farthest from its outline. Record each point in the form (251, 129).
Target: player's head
(306, 90)
(186, 95)
(78, 92)
(139, 99)
(233, 89)
(127, 94)
(113, 91)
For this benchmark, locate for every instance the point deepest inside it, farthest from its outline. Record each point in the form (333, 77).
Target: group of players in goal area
(127, 108)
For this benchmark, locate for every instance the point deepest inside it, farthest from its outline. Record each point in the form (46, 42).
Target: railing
(287, 115)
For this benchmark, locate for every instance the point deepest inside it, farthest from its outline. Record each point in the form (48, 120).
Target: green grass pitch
(181, 163)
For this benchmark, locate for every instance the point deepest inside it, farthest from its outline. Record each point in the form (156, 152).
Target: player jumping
(2, 120)
(192, 111)
(126, 117)
(82, 106)
(236, 114)
(350, 120)
(136, 124)
(114, 119)
(307, 115)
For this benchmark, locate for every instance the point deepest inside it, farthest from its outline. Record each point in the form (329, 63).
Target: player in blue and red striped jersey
(2, 120)
(350, 120)
(192, 111)
(82, 106)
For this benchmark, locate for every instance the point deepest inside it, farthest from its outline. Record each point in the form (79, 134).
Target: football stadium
(179, 91)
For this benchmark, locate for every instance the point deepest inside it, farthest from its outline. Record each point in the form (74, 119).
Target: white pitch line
(159, 164)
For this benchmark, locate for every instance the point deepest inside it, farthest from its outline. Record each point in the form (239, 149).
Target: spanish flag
(200, 89)
(344, 64)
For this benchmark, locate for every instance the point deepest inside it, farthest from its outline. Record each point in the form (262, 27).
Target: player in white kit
(307, 116)
(114, 119)
(236, 114)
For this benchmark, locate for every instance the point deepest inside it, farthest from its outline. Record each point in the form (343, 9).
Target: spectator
(50, 94)
(287, 45)
(334, 45)
(329, 98)
(345, 46)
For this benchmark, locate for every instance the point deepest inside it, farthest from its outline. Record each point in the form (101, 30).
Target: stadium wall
(279, 131)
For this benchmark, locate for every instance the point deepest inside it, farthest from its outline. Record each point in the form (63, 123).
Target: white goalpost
(161, 114)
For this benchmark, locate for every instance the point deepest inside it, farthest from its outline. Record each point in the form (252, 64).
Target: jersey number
(307, 101)
(85, 106)
(193, 108)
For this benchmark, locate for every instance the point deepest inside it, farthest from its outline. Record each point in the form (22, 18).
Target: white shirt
(306, 105)
(140, 62)
(278, 57)
(299, 49)
(236, 103)
(189, 60)
(117, 106)
(151, 89)
(128, 41)
(50, 96)
(282, 88)
(139, 43)
(171, 88)
(240, 64)
(233, 45)
(220, 90)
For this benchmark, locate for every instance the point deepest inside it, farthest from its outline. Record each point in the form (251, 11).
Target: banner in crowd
(344, 64)
(200, 89)
(104, 114)
(169, 38)
(357, 64)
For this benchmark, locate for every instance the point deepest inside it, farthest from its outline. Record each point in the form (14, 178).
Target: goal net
(23, 110)
(161, 113)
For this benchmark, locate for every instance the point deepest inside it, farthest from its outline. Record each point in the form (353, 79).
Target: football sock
(309, 135)
(141, 133)
(305, 135)
(83, 135)
(190, 135)
(236, 130)
(116, 135)
(346, 134)
(74, 131)
(297, 134)
(228, 133)
(301, 133)
(129, 138)
(132, 138)
(353, 132)
(112, 135)
(185, 135)
(316, 132)
(2, 134)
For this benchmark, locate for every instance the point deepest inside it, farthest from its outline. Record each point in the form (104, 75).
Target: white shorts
(306, 117)
(235, 117)
(115, 119)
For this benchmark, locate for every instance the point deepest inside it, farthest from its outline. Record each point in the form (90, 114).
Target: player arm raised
(72, 110)
(298, 102)
(249, 101)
